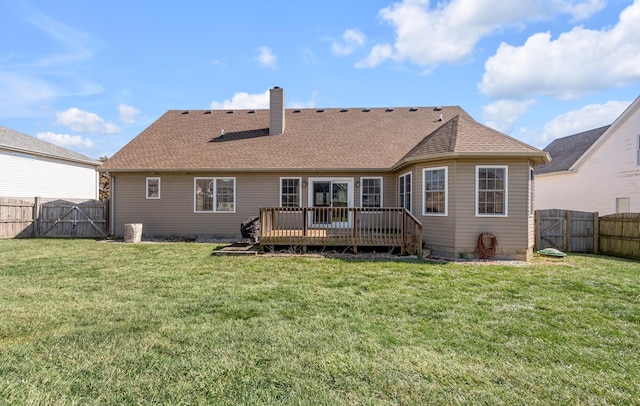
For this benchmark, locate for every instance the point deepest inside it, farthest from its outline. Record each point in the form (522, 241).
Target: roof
(16, 141)
(374, 139)
(566, 151)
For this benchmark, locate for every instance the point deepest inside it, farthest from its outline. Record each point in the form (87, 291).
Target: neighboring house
(203, 172)
(596, 170)
(30, 168)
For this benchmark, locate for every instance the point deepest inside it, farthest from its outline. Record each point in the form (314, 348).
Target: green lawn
(88, 322)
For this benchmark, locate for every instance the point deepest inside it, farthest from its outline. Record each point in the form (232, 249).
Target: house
(30, 168)
(596, 170)
(203, 172)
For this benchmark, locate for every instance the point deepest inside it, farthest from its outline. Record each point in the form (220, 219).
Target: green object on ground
(552, 252)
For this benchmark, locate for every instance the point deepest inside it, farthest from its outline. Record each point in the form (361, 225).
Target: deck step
(238, 249)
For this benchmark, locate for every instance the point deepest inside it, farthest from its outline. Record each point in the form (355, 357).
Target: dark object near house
(250, 228)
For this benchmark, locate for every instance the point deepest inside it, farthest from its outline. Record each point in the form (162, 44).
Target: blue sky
(91, 75)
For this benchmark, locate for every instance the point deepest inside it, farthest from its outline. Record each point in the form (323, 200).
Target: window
(370, 192)
(404, 192)
(214, 195)
(532, 192)
(491, 191)
(153, 188)
(290, 195)
(435, 191)
(622, 205)
(19, 155)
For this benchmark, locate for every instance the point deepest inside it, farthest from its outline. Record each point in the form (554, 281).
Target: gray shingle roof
(14, 140)
(331, 139)
(566, 151)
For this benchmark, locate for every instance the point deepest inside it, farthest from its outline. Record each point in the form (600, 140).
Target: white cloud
(587, 118)
(65, 140)
(577, 62)
(449, 31)
(351, 39)
(85, 122)
(503, 114)
(242, 100)
(266, 57)
(128, 114)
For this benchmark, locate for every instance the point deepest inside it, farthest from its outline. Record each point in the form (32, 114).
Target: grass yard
(88, 322)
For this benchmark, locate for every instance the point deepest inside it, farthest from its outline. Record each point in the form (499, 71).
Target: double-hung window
(435, 191)
(215, 195)
(404, 191)
(153, 188)
(491, 191)
(371, 192)
(290, 195)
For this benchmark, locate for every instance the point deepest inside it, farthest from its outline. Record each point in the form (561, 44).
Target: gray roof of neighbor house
(566, 151)
(377, 139)
(16, 141)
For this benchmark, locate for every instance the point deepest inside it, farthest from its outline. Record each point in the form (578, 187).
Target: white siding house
(597, 170)
(33, 168)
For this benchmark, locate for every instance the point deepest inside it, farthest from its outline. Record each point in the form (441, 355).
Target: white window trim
(446, 191)
(410, 173)
(215, 195)
(532, 192)
(159, 187)
(638, 150)
(381, 189)
(299, 191)
(506, 190)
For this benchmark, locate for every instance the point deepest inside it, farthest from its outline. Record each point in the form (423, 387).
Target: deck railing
(341, 226)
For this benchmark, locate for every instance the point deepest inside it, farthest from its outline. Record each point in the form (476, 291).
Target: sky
(91, 75)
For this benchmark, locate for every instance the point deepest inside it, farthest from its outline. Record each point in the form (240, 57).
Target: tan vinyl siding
(173, 213)
(512, 231)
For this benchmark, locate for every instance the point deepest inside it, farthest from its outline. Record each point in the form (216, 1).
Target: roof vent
(185, 112)
(251, 112)
(389, 109)
(297, 111)
(344, 110)
(413, 109)
(230, 112)
(440, 118)
(437, 108)
(207, 112)
(320, 111)
(366, 110)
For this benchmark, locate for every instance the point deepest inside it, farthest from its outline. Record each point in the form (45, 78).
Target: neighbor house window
(435, 191)
(153, 188)
(404, 192)
(215, 195)
(290, 195)
(491, 190)
(370, 192)
(622, 205)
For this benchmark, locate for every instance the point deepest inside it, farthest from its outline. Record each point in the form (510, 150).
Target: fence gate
(61, 218)
(568, 231)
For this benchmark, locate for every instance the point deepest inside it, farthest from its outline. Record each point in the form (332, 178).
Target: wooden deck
(347, 226)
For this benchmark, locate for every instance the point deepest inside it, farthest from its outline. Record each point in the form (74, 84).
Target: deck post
(355, 231)
(404, 232)
(305, 227)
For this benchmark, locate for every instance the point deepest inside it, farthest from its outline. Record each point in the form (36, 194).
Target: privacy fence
(575, 231)
(53, 218)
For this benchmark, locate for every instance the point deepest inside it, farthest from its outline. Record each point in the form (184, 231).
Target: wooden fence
(574, 231)
(57, 218)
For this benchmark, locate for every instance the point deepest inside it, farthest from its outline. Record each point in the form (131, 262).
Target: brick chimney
(276, 111)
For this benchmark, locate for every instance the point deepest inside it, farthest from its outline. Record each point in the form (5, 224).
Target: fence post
(37, 201)
(568, 230)
(596, 233)
(536, 228)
